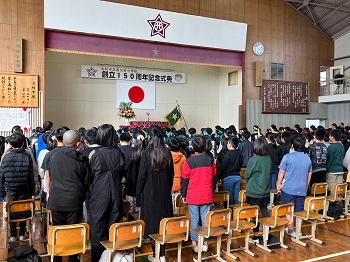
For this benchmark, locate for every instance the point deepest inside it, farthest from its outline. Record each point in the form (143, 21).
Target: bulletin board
(285, 97)
(19, 90)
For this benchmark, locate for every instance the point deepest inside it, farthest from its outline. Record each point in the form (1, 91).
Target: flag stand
(182, 115)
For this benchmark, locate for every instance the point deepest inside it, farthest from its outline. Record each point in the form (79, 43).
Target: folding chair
(339, 193)
(123, 236)
(181, 208)
(66, 240)
(311, 207)
(216, 224)
(221, 200)
(172, 230)
(242, 222)
(27, 205)
(276, 220)
(319, 189)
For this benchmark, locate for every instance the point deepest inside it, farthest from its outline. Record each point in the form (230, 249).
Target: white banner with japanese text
(132, 74)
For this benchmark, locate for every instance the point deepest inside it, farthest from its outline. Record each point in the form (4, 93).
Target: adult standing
(69, 176)
(155, 180)
(106, 204)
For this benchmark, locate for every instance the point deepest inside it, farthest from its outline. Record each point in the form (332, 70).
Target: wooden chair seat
(234, 206)
(334, 199)
(169, 238)
(213, 232)
(242, 224)
(270, 221)
(67, 250)
(305, 215)
(121, 245)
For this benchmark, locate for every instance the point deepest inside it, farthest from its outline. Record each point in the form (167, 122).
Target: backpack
(272, 242)
(24, 254)
(334, 210)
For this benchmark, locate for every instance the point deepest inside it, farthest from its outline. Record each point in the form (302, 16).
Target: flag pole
(182, 115)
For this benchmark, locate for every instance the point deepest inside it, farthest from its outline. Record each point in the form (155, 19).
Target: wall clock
(258, 48)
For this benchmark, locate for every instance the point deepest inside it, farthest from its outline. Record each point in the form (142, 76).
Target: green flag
(174, 117)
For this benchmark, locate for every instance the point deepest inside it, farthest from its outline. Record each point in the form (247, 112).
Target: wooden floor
(336, 235)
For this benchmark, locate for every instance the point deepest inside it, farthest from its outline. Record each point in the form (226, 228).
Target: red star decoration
(158, 26)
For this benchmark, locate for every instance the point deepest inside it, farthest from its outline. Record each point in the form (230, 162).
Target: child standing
(230, 168)
(196, 186)
(17, 179)
(257, 176)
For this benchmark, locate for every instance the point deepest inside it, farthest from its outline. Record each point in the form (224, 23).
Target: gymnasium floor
(335, 234)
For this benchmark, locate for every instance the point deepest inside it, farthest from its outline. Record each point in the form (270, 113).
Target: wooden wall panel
(223, 9)
(191, 7)
(25, 19)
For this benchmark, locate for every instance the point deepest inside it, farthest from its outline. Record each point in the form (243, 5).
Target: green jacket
(335, 158)
(257, 176)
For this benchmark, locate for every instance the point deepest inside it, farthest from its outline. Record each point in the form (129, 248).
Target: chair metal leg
(109, 254)
(179, 246)
(228, 250)
(313, 232)
(157, 251)
(246, 243)
(347, 201)
(327, 207)
(282, 238)
(265, 238)
(296, 239)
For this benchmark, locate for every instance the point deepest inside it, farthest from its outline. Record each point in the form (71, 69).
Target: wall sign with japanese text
(285, 97)
(132, 74)
(19, 90)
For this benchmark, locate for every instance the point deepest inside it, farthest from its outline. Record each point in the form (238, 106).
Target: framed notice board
(285, 97)
(19, 90)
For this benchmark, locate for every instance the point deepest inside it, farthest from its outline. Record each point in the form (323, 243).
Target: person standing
(318, 154)
(230, 169)
(257, 176)
(155, 180)
(17, 178)
(295, 172)
(197, 186)
(106, 203)
(335, 159)
(69, 176)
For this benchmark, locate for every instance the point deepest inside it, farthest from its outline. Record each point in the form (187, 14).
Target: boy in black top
(17, 179)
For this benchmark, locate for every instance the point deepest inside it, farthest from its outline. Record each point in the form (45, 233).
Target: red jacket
(197, 179)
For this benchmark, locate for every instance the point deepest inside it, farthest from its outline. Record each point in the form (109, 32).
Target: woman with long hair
(106, 203)
(155, 180)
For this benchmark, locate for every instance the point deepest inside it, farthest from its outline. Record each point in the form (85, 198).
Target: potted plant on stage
(126, 111)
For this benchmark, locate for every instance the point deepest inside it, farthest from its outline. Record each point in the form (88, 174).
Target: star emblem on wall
(158, 26)
(155, 51)
(91, 72)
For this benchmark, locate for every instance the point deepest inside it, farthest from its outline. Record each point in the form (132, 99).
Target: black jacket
(16, 173)
(69, 176)
(231, 164)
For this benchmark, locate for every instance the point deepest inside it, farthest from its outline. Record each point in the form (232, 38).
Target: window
(277, 71)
